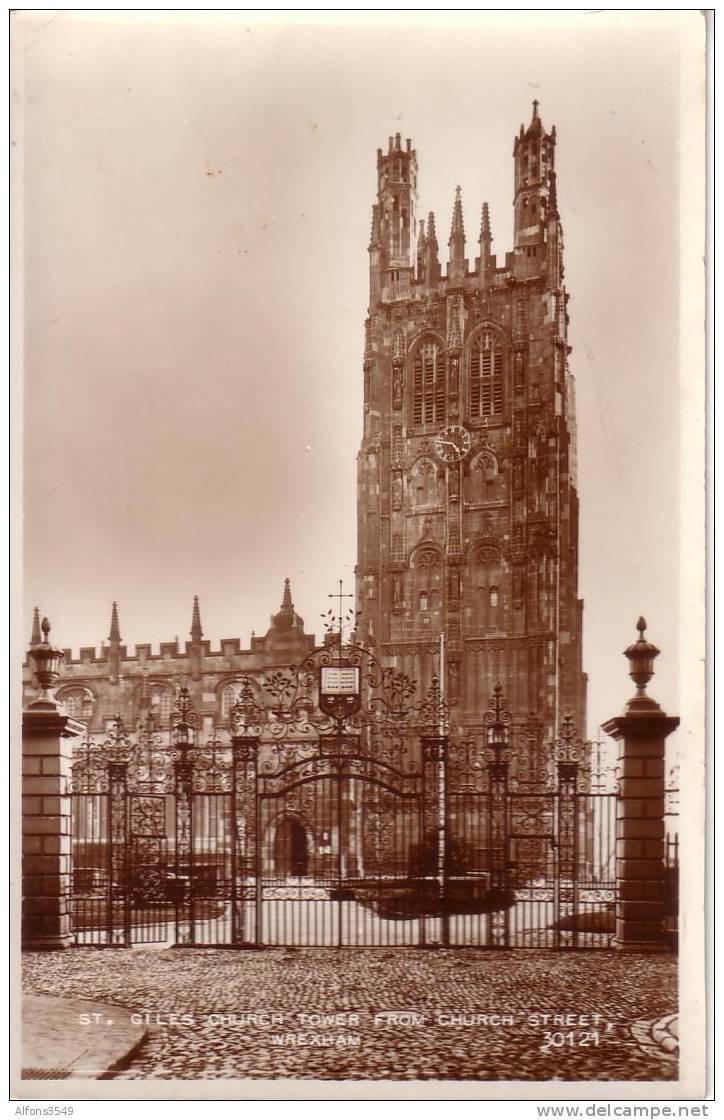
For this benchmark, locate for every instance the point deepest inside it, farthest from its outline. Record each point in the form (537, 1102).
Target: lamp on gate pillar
(497, 721)
(244, 711)
(184, 724)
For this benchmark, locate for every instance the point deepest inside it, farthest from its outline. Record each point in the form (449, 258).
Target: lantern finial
(46, 661)
(641, 655)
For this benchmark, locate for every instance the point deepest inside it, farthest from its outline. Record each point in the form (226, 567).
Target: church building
(467, 567)
(98, 685)
(467, 562)
(467, 504)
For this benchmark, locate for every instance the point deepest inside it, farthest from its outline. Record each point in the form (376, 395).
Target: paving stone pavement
(658, 1037)
(74, 1038)
(241, 1014)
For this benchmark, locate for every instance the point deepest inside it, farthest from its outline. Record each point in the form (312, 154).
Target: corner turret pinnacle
(35, 638)
(457, 266)
(536, 124)
(196, 631)
(456, 241)
(287, 604)
(286, 618)
(115, 634)
(534, 159)
(432, 260)
(115, 648)
(485, 234)
(485, 261)
(431, 231)
(421, 242)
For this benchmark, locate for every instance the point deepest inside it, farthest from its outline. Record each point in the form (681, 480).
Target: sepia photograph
(357, 409)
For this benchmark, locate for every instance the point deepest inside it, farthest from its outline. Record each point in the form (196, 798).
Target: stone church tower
(467, 503)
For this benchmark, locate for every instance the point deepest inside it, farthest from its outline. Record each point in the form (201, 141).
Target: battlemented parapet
(96, 686)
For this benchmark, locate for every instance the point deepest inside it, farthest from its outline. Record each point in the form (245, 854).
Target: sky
(193, 205)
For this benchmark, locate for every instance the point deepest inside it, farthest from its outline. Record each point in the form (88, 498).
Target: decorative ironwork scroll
(118, 901)
(568, 752)
(376, 826)
(497, 753)
(245, 841)
(284, 706)
(434, 840)
(183, 866)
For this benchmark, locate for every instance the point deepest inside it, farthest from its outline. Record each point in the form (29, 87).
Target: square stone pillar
(46, 860)
(640, 868)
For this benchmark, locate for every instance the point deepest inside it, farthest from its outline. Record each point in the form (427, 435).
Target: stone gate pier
(640, 869)
(48, 734)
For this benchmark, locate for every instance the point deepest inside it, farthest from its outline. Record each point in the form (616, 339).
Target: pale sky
(197, 195)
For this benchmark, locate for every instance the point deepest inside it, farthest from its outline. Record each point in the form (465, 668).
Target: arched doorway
(290, 849)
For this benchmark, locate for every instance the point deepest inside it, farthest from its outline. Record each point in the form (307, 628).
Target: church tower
(467, 502)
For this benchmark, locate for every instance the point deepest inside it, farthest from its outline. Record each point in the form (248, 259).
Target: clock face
(452, 443)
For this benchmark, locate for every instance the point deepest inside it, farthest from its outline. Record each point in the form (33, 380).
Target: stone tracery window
(426, 576)
(486, 376)
(78, 703)
(486, 572)
(161, 704)
(484, 478)
(228, 697)
(429, 390)
(425, 483)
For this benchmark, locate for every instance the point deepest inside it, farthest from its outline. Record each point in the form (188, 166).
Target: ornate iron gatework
(370, 823)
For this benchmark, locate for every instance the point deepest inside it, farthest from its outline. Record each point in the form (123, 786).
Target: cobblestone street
(472, 1015)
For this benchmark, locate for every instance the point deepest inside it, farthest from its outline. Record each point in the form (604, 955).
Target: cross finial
(340, 594)
(338, 621)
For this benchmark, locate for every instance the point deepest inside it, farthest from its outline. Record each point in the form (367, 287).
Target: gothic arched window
(228, 697)
(426, 576)
(428, 384)
(78, 703)
(424, 483)
(485, 479)
(486, 376)
(486, 581)
(161, 704)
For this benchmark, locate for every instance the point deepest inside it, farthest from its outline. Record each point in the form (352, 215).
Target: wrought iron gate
(367, 831)
(338, 835)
